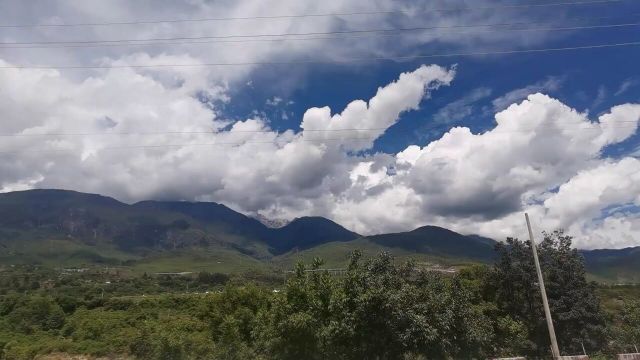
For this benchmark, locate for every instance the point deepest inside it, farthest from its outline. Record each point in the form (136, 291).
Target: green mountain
(307, 232)
(66, 228)
(91, 225)
(617, 265)
(439, 241)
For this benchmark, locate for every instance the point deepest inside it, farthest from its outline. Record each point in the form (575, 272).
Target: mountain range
(61, 227)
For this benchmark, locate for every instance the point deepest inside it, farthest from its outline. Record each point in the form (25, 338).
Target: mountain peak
(308, 231)
(271, 223)
(439, 241)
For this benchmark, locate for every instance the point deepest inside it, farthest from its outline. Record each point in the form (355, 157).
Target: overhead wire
(320, 140)
(334, 61)
(223, 39)
(245, 38)
(237, 143)
(335, 14)
(268, 131)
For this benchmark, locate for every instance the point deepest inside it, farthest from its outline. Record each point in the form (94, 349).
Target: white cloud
(600, 97)
(550, 84)
(609, 183)
(146, 137)
(461, 108)
(380, 113)
(325, 48)
(481, 183)
(274, 101)
(626, 85)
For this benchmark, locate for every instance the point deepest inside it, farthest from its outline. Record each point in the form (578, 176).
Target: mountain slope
(211, 214)
(88, 219)
(68, 227)
(619, 265)
(307, 232)
(439, 241)
(152, 225)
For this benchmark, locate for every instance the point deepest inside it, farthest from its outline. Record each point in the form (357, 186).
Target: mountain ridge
(97, 224)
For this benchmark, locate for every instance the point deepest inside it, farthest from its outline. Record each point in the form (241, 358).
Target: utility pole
(545, 303)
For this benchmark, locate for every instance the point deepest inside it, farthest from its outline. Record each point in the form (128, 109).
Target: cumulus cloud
(608, 184)
(381, 112)
(481, 183)
(135, 136)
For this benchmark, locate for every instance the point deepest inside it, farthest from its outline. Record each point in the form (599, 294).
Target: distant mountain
(440, 242)
(307, 232)
(61, 226)
(153, 225)
(44, 213)
(211, 214)
(619, 265)
(271, 223)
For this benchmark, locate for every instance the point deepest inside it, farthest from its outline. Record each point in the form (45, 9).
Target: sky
(453, 121)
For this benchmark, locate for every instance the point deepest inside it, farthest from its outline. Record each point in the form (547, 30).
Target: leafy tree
(378, 311)
(626, 328)
(36, 313)
(510, 336)
(576, 312)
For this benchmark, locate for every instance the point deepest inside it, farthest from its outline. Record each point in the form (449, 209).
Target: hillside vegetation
(378, 307)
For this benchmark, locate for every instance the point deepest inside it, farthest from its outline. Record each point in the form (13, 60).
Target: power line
(285, 36)
(302, 139)
(193, 144)
(275, 142)
(181, 132)
(337, 61)
(337, 14)
(224, 132)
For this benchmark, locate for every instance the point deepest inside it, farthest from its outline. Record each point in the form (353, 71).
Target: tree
(575, 309)
(510, 336)
(36, 313)
(379, 310)
(626, 328)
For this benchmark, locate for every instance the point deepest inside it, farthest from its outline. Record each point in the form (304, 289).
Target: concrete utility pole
(545, 303)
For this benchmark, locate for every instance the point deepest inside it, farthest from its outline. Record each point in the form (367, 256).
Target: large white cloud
(380, 113)
(481, 183)
(135, 136)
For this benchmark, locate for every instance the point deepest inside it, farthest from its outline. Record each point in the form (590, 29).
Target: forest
(377, 308)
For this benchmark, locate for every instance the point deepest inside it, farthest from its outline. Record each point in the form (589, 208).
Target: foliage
(575, 308)
(377, 308)
(626, 328)
(380, 310)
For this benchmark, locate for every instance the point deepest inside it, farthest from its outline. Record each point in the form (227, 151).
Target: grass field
(336, 254)
(57, 253)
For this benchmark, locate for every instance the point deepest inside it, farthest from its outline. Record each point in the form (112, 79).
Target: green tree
(36, 313)
(576, 312)
(510, 336)
(626, 327)
(379, 310)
